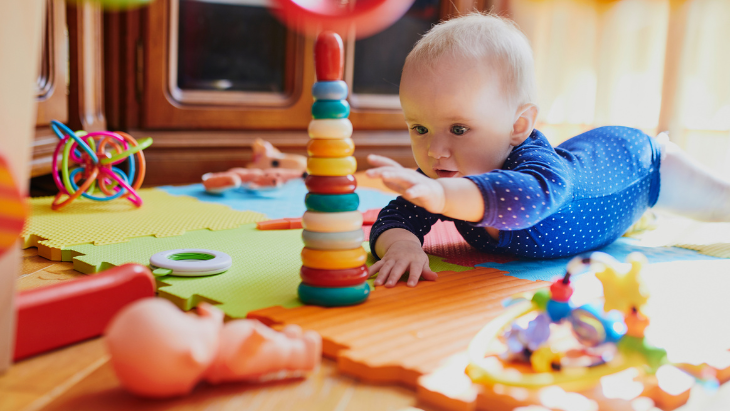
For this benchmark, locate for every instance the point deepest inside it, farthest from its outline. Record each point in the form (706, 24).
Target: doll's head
(468, 95)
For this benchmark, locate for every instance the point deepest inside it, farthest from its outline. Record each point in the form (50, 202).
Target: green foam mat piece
(265, 270)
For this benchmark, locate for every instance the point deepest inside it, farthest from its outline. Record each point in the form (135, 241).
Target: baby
(468, 95)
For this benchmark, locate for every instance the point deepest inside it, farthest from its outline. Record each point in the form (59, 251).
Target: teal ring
(330, 90)
(329, 109)
(343, 240)
(332, 203)
(334, 296)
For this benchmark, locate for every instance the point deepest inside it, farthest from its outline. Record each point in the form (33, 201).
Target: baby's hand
(413, 186)
(402, 256)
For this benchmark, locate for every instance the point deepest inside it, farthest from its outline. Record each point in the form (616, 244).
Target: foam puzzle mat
(671, 230)
(287, 201)
(265, 269)
(547, 270)
(110, 222)
(401, 333)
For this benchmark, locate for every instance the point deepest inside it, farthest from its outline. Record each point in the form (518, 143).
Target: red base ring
(334, 278)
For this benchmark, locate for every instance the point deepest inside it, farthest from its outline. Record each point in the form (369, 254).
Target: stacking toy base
(334, 296)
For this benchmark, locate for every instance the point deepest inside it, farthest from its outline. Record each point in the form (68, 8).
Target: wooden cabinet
(70, 87)
(206, 78)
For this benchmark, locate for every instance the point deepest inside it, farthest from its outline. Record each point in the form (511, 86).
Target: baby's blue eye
(420, 130)
(458, 130)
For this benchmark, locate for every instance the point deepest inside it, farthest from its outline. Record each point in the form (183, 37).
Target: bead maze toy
(99, 154)
(544, 340)
(333, 260)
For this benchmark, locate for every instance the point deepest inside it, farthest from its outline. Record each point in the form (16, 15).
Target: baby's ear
(525, 119)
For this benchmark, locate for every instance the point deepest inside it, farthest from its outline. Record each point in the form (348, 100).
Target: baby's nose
(439, 148)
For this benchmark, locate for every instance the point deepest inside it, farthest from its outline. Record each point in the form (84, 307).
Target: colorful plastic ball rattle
(367, 16)
(99, 175)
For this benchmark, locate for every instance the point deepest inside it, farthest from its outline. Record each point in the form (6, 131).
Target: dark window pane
(379, 59)
(230, 47)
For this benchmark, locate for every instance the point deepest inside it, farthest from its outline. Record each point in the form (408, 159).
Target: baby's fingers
(375, 268)
(427, 274)
(384, 271)
(398, 269)
(414, 274)
(380, 161)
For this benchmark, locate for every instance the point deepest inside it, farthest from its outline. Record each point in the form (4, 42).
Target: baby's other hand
(412, 185)
(402, 256)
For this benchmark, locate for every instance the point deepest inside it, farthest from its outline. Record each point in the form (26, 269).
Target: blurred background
(205, 78)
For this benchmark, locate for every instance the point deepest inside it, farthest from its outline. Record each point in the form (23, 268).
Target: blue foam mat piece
(547, 270)
(283, 202)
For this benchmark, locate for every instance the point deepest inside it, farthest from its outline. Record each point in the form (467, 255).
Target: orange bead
(330, 148)
(333, 259)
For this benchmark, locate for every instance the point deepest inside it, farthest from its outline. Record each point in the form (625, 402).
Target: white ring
(192, 268)
(330, 128)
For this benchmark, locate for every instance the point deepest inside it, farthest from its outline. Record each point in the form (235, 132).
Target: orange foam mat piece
(402, 333)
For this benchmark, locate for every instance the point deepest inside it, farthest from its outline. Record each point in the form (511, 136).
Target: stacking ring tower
(333, 260)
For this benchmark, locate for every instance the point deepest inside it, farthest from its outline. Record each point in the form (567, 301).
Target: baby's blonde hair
(478, 36)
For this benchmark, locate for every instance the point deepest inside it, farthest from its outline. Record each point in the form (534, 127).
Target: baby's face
(459, 119)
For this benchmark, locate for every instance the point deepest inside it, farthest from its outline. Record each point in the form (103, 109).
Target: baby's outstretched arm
(401, 251)
(458, 198)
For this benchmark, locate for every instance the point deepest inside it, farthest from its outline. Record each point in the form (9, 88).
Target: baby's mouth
(445, 173)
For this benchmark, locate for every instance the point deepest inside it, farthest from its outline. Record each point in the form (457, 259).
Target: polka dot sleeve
(534, 183)
(401, 213)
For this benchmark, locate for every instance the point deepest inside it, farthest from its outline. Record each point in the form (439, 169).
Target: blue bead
(330, 90)
(333, 296)
(558, 310)
(324, 109)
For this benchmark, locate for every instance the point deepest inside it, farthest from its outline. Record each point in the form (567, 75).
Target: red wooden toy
(329, 56)
(71, 311)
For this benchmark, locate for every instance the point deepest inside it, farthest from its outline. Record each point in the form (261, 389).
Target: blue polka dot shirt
(552, 202)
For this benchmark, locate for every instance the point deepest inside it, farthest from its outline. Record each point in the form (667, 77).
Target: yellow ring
(331, 222)
(333, 259)
(330, 148)
(330, 128)
(331, 167)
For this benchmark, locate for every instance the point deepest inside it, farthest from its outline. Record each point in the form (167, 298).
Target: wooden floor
(80, 377)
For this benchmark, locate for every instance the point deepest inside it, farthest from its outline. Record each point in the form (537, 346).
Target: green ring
(330, 109)
(332, 203)
(141, 145)
(333, 296)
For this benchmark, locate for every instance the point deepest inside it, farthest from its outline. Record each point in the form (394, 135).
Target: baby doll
(468, 95)
(158, 351)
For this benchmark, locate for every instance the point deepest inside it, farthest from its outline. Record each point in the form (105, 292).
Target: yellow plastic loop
(333, 259)
(331, 167)
(330, 148)
(330, 128)
(331, 222)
